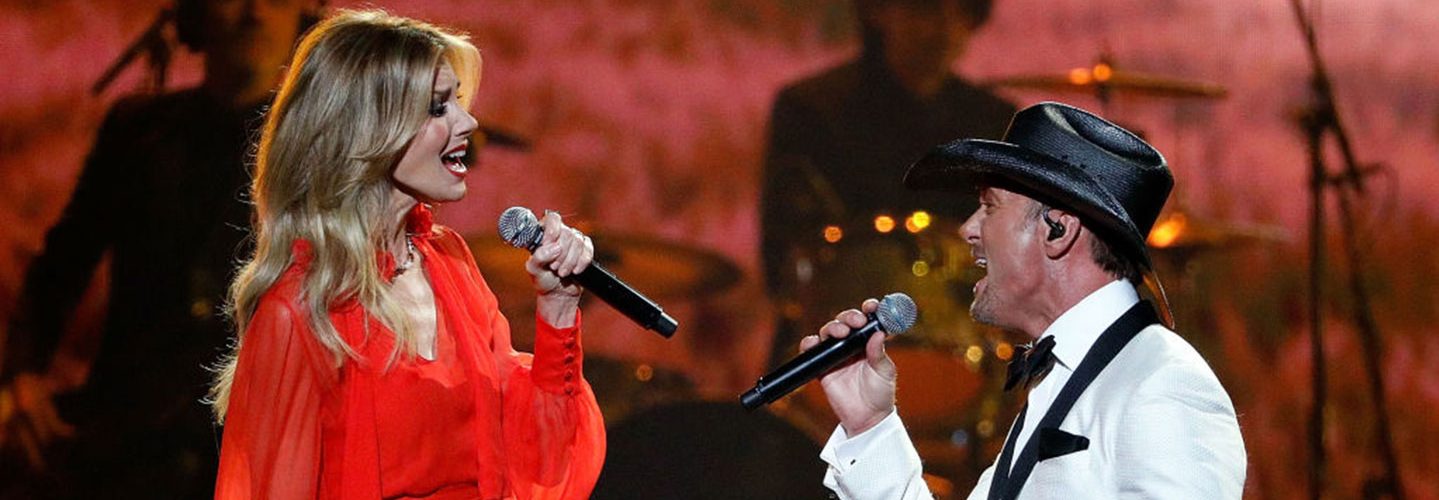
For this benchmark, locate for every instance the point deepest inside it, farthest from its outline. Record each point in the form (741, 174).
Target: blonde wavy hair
(356, 93)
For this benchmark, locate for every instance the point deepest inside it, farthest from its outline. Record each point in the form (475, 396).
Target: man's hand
(861, 391)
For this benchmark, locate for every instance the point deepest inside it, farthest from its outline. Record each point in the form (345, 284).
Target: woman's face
(432, 168)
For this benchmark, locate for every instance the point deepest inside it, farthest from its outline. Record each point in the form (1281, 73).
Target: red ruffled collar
(421, 221)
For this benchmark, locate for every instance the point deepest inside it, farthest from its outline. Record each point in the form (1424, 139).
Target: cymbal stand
(151, 44)
(1322, 118)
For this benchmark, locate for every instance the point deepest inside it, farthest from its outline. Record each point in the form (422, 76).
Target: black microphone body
(520, 228)
(896, 314)
(619, 295)
(808, 365)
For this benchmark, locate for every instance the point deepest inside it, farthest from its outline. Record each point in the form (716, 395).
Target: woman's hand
(563, 252)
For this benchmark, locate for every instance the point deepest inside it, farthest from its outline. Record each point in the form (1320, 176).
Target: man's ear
(1063, 231)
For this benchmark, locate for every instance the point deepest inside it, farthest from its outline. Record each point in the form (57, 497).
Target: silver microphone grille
(519, 227)
(897, 313)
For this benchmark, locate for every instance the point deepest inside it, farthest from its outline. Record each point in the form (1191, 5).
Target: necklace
(409, 258)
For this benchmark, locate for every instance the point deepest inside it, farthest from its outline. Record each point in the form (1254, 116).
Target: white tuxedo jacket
(1156, 421)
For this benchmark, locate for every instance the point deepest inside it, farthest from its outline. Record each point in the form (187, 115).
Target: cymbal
(1103, 78)
(1178, 231)
(655, 267)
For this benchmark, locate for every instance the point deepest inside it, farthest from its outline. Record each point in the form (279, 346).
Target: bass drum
(709, 450)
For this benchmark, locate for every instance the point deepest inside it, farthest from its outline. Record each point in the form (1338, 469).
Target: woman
(374, 362)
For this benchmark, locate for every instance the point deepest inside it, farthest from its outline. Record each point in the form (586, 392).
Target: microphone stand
(1320, 119)
(152, 45)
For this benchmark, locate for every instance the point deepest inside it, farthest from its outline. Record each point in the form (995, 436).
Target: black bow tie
(1030, 363)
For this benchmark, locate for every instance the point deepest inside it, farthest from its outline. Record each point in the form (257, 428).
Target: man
(162, 192)
(1119, 406)
(837, 138)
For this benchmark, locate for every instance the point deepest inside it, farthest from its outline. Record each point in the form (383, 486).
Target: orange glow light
(833, 234)
(917, 221)
(644, 373)
(1167, 231)
(1004, 351)
(1102, 72)
(884, 224)
(973, 354)
(919, 268)
(1079, 76)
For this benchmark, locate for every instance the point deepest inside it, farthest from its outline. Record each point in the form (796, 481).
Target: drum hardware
(1181, 232)
(1103, 79)
(659, 268)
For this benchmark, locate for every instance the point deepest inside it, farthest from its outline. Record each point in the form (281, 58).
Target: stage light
(1168, 230)
(793, 310)
(919, 268)
(959, 438)
(1004, 351)
(1102, 72)
(201, 308)
(985, 428)
(644, 373)
(884, 224)
(974, 354)
(833, 234)
(1079, 76)
(917, 221)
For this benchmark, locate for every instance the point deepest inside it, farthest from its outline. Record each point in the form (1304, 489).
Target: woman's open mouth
(454, 161)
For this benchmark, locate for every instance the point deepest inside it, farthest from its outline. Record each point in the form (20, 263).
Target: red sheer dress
(479, 421)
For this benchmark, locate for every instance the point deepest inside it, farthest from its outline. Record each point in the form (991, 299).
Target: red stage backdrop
(648, 118)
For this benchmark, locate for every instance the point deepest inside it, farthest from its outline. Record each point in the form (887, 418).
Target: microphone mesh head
(519, 227)
(897, 313)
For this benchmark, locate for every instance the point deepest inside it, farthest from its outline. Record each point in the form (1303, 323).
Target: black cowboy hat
(1068, 158)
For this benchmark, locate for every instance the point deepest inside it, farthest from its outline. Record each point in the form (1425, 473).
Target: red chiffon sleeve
(272, 446)
(554, 434)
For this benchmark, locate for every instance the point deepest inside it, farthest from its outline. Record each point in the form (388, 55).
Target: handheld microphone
(519, 227)
(896, 314)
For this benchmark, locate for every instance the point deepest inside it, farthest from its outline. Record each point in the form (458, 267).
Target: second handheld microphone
(519, 227)
(896, 314)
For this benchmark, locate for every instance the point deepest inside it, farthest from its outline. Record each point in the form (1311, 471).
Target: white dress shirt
(1074, 333)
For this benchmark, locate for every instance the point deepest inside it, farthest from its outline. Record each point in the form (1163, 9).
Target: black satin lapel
(1100, 354)
(1057, 443)
(1006, 457)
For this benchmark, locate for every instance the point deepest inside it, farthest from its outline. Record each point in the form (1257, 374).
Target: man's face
(923, 37)
(1008, 243)
(253, 35)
